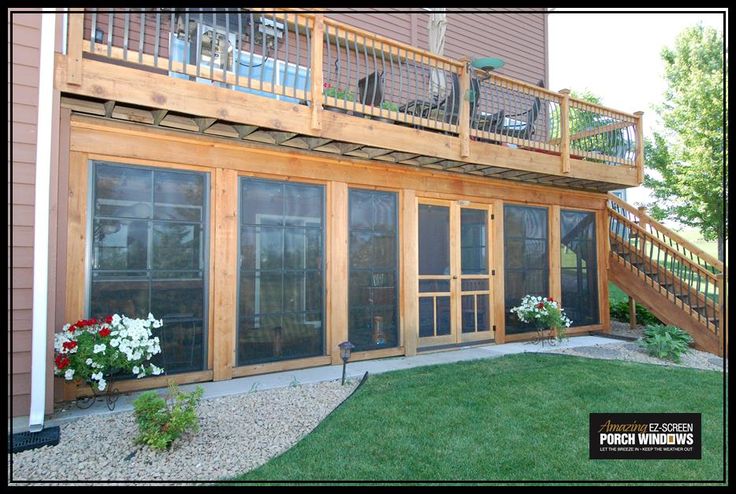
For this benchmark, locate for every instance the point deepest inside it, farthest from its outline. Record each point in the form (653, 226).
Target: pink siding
(519, 39)
(26, 30)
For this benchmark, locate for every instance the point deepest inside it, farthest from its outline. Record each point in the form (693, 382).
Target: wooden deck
(124, 84)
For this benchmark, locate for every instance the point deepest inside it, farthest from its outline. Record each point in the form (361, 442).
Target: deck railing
(313, 60)
(694, 279)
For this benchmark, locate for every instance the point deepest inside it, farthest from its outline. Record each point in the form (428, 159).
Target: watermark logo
(645, 436)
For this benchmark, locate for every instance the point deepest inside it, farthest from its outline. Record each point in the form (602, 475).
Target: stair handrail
(640, 215)
(662, 244)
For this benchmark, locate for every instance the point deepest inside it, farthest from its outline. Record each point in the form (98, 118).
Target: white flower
(136, 369)
(96, 376)
(114, 343)
(156, 370)
(69, 374)
(88, 361)
(99, 348)
(101, 385)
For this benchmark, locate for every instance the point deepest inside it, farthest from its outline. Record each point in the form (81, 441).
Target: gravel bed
(632, 352)
(237, 433)
(623, 329)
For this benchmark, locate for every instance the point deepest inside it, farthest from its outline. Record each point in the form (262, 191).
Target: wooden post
(337, 268)
(498, 301)
(632, 313)
(317, 76)
(639, 146)
(226, 272)
(74, 48)
(723, 320)
(565, 130)
(555, 273)
(464, 117)
(410, 271)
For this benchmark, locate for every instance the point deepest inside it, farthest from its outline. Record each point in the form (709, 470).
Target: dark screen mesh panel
(280, 292)
(149, 230)
(373, 290)
(526, 260)
(579, 267)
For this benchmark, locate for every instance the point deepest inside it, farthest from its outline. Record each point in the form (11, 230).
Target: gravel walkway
(632, 352)
(237, 433)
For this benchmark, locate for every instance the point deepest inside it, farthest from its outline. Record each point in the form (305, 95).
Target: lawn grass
(518, 417)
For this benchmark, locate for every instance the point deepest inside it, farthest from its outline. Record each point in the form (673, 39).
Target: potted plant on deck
(340, 94)
(545, 313)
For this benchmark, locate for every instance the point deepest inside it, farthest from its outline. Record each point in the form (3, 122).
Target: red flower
(327, 85)
(62, 362)
(69, 344)
(105, 332)
(551, 299)
(72, 328)
(540, 305)
(108, 319)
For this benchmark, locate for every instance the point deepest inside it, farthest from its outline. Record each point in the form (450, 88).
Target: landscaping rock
(237, 433)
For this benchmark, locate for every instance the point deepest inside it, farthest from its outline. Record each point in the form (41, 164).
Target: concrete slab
(355, 370)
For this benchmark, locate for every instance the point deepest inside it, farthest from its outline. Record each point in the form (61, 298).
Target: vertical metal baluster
(328, 76)
(251, 48)
(357, 70)
(225, 69)
(275, 56)
(382, 78)
(156, 41)
(198, 41)
(172, 27)
(239, 42)
(93, 31)
(187, 42)
(126, 28)
(347, 56)
(298, 56)
(264, 50)
(337, 56)
(707, 319)
(141, 42)
(285, 82)
(213, 38)
(365, 88)
(416, 87)
(401, 96)
(309, 58)
(110, 22)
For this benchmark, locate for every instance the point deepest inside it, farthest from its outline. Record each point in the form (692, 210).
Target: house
(274, 183)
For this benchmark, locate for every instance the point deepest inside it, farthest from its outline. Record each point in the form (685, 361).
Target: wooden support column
(555, 273)
(602, 241)
(225, 258)
(316, 75)
(74, 48)
(722, 313)
(464, 116)
(639, 146)
(409, 263)
(632, 313)
(565, 130)
(498, 301)
(337, 269)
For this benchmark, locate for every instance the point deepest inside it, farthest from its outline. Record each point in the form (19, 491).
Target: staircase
(678, 282)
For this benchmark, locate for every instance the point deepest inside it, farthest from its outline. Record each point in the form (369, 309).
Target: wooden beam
(593, 132)
(316, 75)
(409, 263)
(554, 253)
(226, 270)
(77, 236)
(74, 48)
(565, 131)
(498, 299)
(337, 268)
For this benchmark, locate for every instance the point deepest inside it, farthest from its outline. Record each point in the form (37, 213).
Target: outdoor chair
(370, 89)
(446, 109)
(521, 125)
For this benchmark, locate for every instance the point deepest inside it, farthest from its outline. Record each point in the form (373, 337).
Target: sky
(617, 57)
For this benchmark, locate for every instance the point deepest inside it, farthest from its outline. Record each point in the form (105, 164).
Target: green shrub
(666, 342)
(162, 421)
(620, 312)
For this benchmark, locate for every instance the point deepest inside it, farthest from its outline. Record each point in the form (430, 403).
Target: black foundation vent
(22, 441)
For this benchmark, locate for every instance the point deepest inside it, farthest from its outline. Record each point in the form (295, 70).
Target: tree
(689, 158)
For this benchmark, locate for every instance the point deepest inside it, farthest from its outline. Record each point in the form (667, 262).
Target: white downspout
(41, 222)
